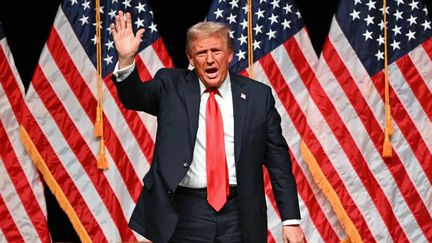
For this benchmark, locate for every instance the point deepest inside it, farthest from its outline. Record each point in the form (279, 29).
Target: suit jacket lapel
(240, 102)
(191, 96)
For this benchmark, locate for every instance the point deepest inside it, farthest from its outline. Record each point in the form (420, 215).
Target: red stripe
(427, 45)
(416, 143)
(142, 69)
(18, 177)
(23, 187)
(81, 150)
(417, 84)
(61, 176)
(162, 53)
(7, 224)
(296, 114)
(270, 238)
(316, 213)
(395, 166)
(88, 104)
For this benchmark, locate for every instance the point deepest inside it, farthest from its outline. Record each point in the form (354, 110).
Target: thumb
(139, 34)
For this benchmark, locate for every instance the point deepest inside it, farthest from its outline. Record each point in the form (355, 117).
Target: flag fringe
(98, 131)
(53, 185)
(102, 162)
(330, 194)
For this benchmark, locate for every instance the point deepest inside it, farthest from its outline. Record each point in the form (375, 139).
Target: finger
(122, 20)
(139, 34)
(113, 30)
(118, 21)
(128, 21)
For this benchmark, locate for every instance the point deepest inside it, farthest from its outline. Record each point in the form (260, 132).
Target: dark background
(27, 24)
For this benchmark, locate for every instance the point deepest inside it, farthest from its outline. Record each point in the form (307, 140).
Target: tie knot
(212, 91)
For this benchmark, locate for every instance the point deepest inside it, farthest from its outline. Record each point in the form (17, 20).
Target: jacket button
(185, 165)
(169, 191)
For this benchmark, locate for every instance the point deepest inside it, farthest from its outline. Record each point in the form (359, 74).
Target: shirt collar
(224, 89)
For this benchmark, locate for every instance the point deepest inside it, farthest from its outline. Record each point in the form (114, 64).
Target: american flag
(62, 98)
(285, 60)
(388, 199)
(22, 202)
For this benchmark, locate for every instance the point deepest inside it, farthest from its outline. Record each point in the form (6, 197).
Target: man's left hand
(292, 234)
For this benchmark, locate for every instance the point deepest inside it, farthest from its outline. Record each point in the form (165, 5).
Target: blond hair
(207, 29)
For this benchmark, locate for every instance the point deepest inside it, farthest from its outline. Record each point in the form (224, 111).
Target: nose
(210, 58)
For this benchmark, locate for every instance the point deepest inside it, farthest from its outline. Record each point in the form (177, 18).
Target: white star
(287, 8)
(261, 1)
(286, 24)
(232, 34)
(356, 1)
(109, 30)
(355, 14)
(232, 18)
(271, 34)
(241, 55)
(380, 40)
(109, 44)
(257, 29)
(396, 30)
(369, 20)
(395, 45)
(413, 5)
(244, 24)
(152, 27)
(399, 2)
(112, 13)
(398, 14)
(298, 14)
(371, 4)
(100, 25)
(260, 14)
(100, 9)
(126, 3)
(242, 39)
(367, 35)
(379, 55)
(256, 45)
(245, 9)
(115, 1)
(140, 7)
(234, 4)
(275, 3)
(410, 35)
(387, 10)
(94, 39)
(83, 20)
(426, 25)
(381, 24)
(86, 5)
(218, 13)
(73, 2)
(273, 19)
(412, 20)
(108, 59)
(425, 10)
(139, 22)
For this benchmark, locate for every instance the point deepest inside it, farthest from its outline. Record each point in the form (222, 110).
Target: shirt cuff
(291, 222)
(122, 74)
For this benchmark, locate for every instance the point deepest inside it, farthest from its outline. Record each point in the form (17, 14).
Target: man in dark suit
(180, 200)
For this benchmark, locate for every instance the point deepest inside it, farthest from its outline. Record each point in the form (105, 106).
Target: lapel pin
(243, 96)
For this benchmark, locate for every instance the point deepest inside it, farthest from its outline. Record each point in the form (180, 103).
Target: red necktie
(216, 166)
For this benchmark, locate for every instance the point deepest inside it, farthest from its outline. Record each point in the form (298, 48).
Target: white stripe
(423, 63)
(383, 176)
(10, 60)
(151, 60)
(372, 97)
(72, 165)
(112, 111)
(333, 149)
(293, 139)
(411, 104)
(15, 206)
(274, 223)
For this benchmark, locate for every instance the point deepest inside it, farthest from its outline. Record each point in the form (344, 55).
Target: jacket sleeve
(278, 163)
(138, 95)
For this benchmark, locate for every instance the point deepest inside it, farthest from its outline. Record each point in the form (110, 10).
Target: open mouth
(212, 72)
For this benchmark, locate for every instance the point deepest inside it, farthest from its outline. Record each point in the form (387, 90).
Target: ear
(190, 61)
(230, 56)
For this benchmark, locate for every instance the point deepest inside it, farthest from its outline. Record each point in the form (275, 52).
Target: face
(210, 56)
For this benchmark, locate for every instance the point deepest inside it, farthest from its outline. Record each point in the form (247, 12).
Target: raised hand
(126, 42)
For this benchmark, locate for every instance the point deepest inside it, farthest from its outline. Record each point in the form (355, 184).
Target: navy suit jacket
(174, 97)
